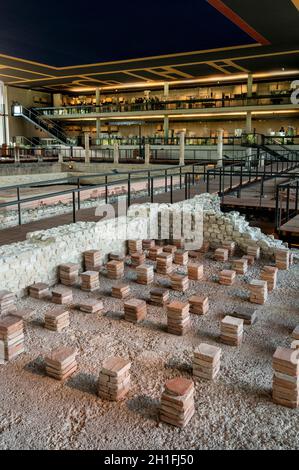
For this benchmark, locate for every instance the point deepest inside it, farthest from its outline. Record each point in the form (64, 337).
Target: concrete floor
(235, 412)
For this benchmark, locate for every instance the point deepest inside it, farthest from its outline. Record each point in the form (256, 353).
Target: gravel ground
(235, 412)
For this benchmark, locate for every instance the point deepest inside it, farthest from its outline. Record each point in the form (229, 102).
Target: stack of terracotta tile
(159, 296)
(178, 317)
(199, 304)
(134, 245)
(154, 252)
(115, 269)
(181, 257)
(145, 274)
(178, 242)
(135, 310)
(248, 314)
(258, 291)
(282, 258)
(57, 320)
(204, 247)
(249, 258)
(148, 244)
(121, 291)
(230, 246)
(195, 271)
(295, 344)
(114, 379)
(240, 266)
(39, 290)
(11, 337)
(115, 257)
(68, 274)
(269, 274)
(206, 362)
(291, 258)
(253, 250)
(91, 306)
(177, 402)
(179, 282)
(137, 258)
(227, 277)
(231, 331)
(221, 254)
(62, 295)
(7, 302)
(92, 260)
(295, 333)
(90, 281)
(286, 377)
(61, 362)
(164, 263)
(169, 249)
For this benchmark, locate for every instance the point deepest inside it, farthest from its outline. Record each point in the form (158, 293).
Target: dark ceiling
(227, 36)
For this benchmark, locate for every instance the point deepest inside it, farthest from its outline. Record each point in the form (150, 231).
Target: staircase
(37, 119)
(264, 144)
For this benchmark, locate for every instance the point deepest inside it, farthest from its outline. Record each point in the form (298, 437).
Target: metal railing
(169, 178)
(169, 105)
(287, 202)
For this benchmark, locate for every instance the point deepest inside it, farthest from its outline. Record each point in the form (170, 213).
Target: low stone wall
(37, 171)
(217, 225)
(37, 258)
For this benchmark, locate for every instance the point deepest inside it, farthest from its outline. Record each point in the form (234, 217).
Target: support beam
(182, 148)
(166, 90)
(248, 131)
(249, 85)
(166, 127)
(98, 128)
(115, 154)
(220, 147)
(87, 149)
(147, 153)
(98, 96)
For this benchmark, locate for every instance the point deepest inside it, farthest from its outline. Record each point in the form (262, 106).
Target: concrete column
(166, 90)
(182, 148)
(87, 149)
(249, 85)
(115, 153)
(60, 156)
(166, 127)
(98, 128)
(17, 154)
(97, 96)
(220, 147)
(147, 153)
(248, 131)
(248, 122)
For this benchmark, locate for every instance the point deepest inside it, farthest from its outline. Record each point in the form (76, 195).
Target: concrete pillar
(115, 153)
(248, 131)
(166, 90)
(147, 153)
(97, 96)
(60, 156)
(220, 147)
(182, 148)
(249, 85)
(248, 122)
(98, 128)
(87, 149)
(17, 154)
(166, 127)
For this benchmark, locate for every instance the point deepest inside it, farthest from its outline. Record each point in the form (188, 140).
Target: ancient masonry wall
(37, 258)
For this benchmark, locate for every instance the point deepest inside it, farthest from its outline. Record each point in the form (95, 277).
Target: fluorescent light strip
(215, 78)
